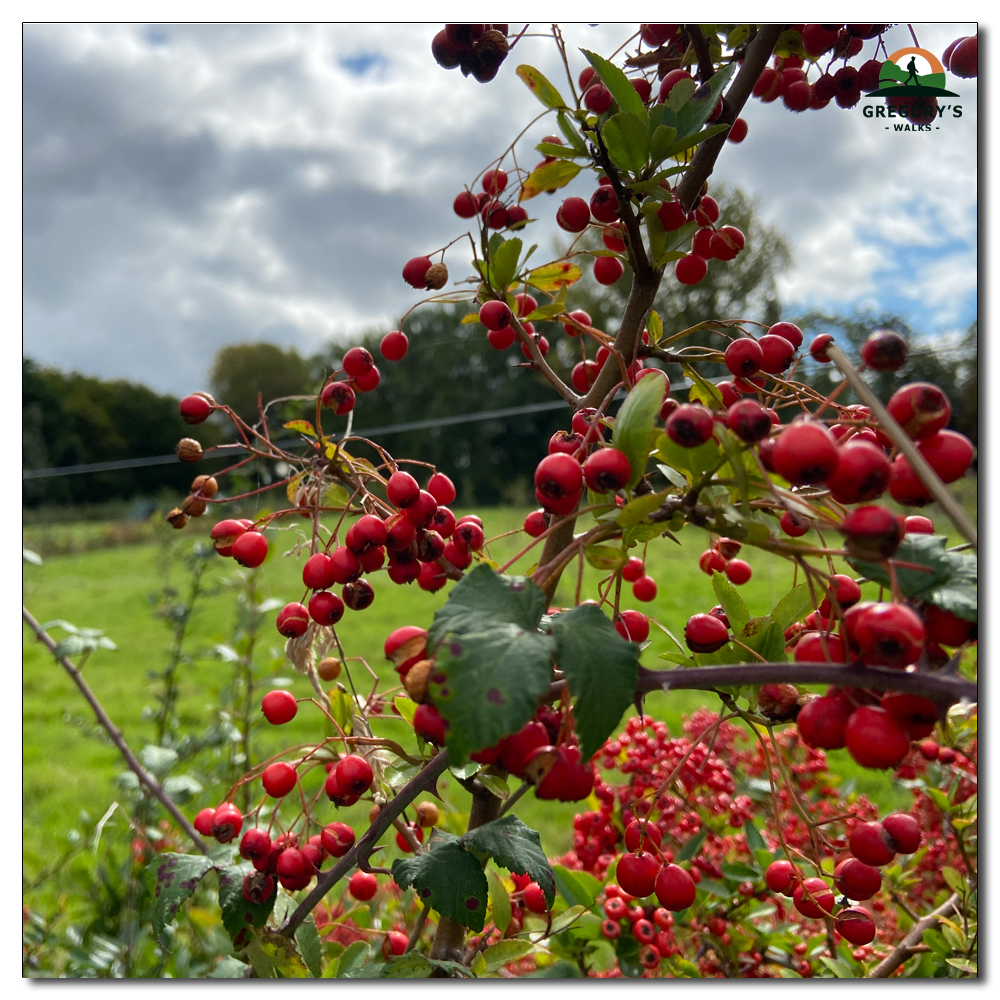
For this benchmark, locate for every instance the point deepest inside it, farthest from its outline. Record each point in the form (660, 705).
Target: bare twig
(904, 949)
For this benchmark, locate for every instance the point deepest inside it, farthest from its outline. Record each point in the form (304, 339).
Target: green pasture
(68, 767)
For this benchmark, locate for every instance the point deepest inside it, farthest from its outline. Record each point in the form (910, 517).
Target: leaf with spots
(601, 669)
(448, 879)
(239, 915)
(483, 597)
(174, 878)
(513, 846)
(486, 684)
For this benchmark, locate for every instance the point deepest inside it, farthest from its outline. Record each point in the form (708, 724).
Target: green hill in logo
(894, 79)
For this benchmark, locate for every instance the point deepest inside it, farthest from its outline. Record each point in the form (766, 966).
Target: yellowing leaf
(540, 87)
(548, 177)
(552, 277)
(302, 426)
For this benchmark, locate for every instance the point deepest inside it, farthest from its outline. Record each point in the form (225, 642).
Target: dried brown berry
(207, 486)
(328, 668)
(427, 814)
(436, 276)
(415, 680)
(189, 450)
(193, 506)
(177, 518)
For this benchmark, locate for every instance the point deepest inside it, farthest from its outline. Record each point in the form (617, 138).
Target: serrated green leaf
(605, 557)
(640, 508)
(793, 607)
(540, 87)
(504, 952)
(618, 84)
(514, 846)
(641, 533)
(307, 938)
(626, 136)
(555, 276)
(577, 888)
(693, 462)
(499, 900)
(662, 115)
(486, 684)
(732, 603)
(173, 878)
(695, 112)
(548, 177)
(353, 957)
(601, 670)
(495, 784)
(693, 846)
(446, 878)
(238, 914)
(483, 597)
(570, 133)
(680, 93)
(634, 423)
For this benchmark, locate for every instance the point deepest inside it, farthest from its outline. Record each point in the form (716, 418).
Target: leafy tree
(242, 371)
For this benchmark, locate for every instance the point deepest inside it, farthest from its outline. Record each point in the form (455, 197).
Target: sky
(192, 186)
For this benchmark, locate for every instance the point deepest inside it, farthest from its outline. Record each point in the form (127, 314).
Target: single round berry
(789, 331)
(250, 549)
(362, 886)
(394, 345)
(885, 351)
(633, 625)
(607, 270)
(674, 887)
(644, 589)
(817, 349)
(871, 533)
(691, 269)
(875, 739)
(402, 489)
(690, 425)
(805, 453)
(195, 409)
(358, 594)
(738, 572)
(293, 620)
(428, 725)
(633, 569)
(822, 899)
(705, 634)
(862, 473)
(279, 779)
(744, 357)
(227, 821)
(224, 536)
(256, 844)
(534, 523)
(465, 205)
(494, 181)
(358, 362)
(354, 774)
(279, 707)
(738, 131)
(597, 99)
(868, 843)
(857, 880)
(855, 924)
(948, 453)
(821, 722)
(920, 408)
(495, 315)
(604, 204)
(326, 608)
(403, 844)
(888, 634)
(636, 873)
(748, 420)
(711, 562)
(558, 483)
(203, 822)
(573, 216)
(607, 470)
(337, 839)
(645, 835)
(782, 876)
(902, 832)
(534, 898)
(777, 352)
(329, 668)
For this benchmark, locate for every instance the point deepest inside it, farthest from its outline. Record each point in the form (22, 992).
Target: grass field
(66, 768)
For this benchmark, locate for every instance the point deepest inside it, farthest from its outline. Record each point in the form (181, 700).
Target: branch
(363, 847)
(904, 949)
(703, 161)
(155, 788)
(941, 689)
(902, 441)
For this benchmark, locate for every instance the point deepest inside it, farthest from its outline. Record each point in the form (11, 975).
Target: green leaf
(548, 177)
(503, 263)
(486, 684)
(838, 967)
(639, 509)
(627, 949)
(499, 900)
(406, 707)
(634, 423)
(482, 598)
(558, 970)
(228, 967)
(654, 230)
(754, 840)
(739, 872)
(734, 450)
(680, 93)
(176, 877)
(182, 788)
(764, 637)
(601, 670)
(690, 141)
(662, 139)
(540, 87)
(513, 846)
(956, 882)
(606, 557)
(793, 607)
(504, 952)
(577, 888)
(495, 784)
(417, 966)
(618, 83)
(732, 603)
(446, 878)
(572, 136)
(655, 326)
(964, 965)
(559, 151)
(354, 956)
(693, 462)
(238, 914)
(626, 135)
(159, 760)
(695, 112)
(693, 846)
(553, 277)
(641, 533)
(307, 938)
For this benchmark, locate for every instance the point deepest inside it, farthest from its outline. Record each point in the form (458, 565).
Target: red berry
(744, 356)
(494, 181)
(611, 929)
(534, 898)
(902, 833)
(668, 82)
(822, 902)
(738, 571)
(948, 453)
(821, 722)
(871, 533)
(495, 315)
(203, 822)
(607, 470)
(727, 243)
(279, 707)
(257, 887)
(964, 59)
(633, 569)
(674, 887)
(402, 489)
(739, 130)
(227, 821)
(917, 715)
(195, 409)
(337, 839)
(326, 608)
(500, 340)
(250, 549)
(534, 523)
(354, 774)
(748, 420)
(362, 886)
(636, 873)
(857, 880)
(607, 270)
(869, 844)
(671, 215)
(293, 620)
(647, 833)
(705, 634)
(920, 408)
(855, 924)
(573, 216)
(782, 876)
(394, 944)
(466, 205)
(583, 376)
(644, 589)
(597, 99)
(690, 269)
(633, 625)
(428, 724)
(517, 748)
(415, 271)
(789, 331)
(394, 345)
(279, 779)
(875, 739)
(885, 351)
(794, 525)
(690, 425)
(256, 844)
(558, 483)
(862, 473)
(817, 349)
(712, 562)
(890, 635)
(404, 845)
(778, 353)
(805, 453)
(846, 592)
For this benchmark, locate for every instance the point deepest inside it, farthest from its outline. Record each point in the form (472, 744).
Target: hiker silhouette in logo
(911, 69)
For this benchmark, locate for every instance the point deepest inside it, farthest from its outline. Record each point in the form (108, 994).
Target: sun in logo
(913, 72)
